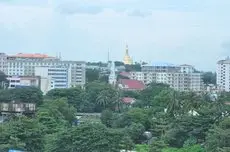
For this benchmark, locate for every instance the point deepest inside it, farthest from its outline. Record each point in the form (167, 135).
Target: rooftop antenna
(60, 55)
(108, 56)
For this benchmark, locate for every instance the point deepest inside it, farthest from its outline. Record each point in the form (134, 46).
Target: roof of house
(227, 103)
(186, 65)
(132, 84)
(128, 100)
(30, 55)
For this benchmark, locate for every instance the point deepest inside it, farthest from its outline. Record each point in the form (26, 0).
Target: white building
(24, 65)
(160, 67)
(3, 62)
(46, 85)
(20, 81)
(112, 75)
(185, 68)
(223, 74)
(57, 77)
(181, 78)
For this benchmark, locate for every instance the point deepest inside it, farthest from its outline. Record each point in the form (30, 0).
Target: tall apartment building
(24, 65)
(181, 78)
(223, 74)
(3, 62)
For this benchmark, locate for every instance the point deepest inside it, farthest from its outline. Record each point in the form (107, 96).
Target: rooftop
(186, 65)
(132, 84)
(160, 64)
(226, 61)
(30, 55)
(128, 100)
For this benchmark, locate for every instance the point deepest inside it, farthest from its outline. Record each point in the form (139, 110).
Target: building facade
(223, 74)
(3, 62)
(181, 78)
(160, 67)
(54, 77)
(24, 65)
(21, 81)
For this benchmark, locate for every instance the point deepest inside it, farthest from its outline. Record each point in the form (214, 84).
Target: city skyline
(194, 32)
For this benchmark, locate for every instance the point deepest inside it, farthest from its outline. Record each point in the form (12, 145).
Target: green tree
(135, 131)
(27, 95)
(93, 137)
(127, 143)
(2, 79)
(76, 97)
(22, 133)
(195, 148)
(138, 115)
(134, 67)
(148, 94)
(107, 118)
(209, 78)
(218, 139)
(142, 148)
(109, 98)
(118, 63)
(92, 75)
(157, 146)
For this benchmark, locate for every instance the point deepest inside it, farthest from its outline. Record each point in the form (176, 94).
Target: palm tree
(192, 102)
(174, 106)
(110, 98)
(103, 98)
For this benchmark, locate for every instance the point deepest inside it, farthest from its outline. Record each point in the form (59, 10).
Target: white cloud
(170, 35)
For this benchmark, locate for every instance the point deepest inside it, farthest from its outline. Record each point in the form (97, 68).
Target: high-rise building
(24, 65)
(127, 59)
(223, 74)
(3, 62)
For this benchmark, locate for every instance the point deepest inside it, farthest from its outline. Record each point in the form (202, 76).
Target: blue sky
(194, 32)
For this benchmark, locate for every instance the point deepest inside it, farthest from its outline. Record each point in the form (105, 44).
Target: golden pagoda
(127, 59)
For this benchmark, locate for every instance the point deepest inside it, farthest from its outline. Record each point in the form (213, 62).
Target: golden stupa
(127, 59)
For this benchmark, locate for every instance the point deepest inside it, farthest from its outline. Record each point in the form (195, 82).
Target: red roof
(128, 100)
(29, 55)
(132, 84)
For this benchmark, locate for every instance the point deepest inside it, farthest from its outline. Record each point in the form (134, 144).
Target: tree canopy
(161, 119)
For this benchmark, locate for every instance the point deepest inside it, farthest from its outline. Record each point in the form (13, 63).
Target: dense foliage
(161, 120)
(27, 94)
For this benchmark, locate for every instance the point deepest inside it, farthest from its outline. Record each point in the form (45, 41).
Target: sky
(193, 32)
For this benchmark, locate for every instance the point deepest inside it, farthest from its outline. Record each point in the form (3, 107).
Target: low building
(23, 81)
(131, 85)
(128, 100)
(17, 107)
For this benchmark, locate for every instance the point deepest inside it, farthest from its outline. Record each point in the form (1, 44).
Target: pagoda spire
(127, 50)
